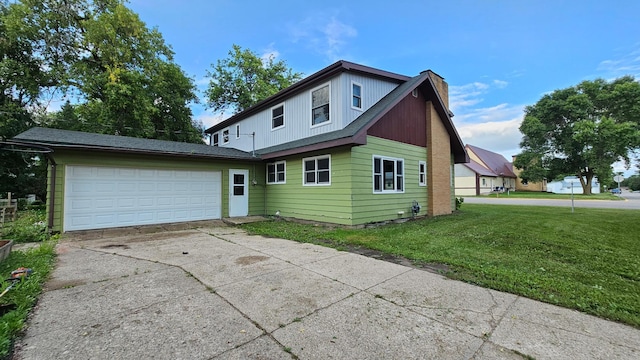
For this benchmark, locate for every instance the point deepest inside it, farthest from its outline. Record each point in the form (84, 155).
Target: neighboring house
(525, 185)
(485, 172)
(348, 145)
(571, 185)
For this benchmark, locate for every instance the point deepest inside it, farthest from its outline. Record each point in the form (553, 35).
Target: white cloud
(625, 64)
(325, 34)
(494, 128)
(500, 84)
(269, 54)
(209, 119)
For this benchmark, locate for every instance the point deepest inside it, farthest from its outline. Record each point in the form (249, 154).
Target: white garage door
(104, 197)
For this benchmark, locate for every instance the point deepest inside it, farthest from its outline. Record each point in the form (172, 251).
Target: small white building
(571, 184)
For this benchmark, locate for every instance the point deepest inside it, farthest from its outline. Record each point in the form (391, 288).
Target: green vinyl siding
(109, 159)
(326, 203)
(350, 200)
(373, 207)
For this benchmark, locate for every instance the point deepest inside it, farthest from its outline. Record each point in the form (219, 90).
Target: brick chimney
(441, 86)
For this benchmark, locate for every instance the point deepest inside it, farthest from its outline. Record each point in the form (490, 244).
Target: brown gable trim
(353, 141)
(304, 84)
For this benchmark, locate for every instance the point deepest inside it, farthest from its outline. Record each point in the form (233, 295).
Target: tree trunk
(586, 185)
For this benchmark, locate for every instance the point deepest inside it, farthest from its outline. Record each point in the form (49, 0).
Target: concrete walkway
(217, 293)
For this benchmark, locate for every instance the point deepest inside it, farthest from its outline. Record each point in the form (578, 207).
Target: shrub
(459, 202)
(30, 226)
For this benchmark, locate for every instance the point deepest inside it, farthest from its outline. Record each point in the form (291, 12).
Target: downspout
(52, 191)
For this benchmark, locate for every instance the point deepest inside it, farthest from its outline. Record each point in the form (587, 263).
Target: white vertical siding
(297, 114)
(372, 91)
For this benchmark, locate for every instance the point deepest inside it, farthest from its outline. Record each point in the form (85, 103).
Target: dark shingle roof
(493, 161)
(66, 139)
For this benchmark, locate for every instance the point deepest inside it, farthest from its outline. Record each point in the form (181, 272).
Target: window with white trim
(216, 138)
(238, 131)
(277, 117)
(356, 96)
(225, 136)
(388, 174)
(320, 105)
(316, 170)
(422, 173)
(276, 172)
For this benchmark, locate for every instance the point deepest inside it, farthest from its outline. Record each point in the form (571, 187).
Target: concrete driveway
(217, 293)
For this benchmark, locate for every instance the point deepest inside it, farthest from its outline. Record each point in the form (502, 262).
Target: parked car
(616, 191)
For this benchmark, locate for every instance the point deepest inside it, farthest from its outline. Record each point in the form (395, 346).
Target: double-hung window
(320, 105)
(277, 117)
(422, 173)
(225, 136)
(317, 170)
(216, 138)
(388, 175)
(237, 131)
(276, 172)
(356, 96)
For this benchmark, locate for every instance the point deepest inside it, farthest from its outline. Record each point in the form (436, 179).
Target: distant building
(524, 185)
(486, 172)
(571, 184)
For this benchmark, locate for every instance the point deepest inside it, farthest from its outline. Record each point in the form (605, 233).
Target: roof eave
(133, 151)
(358, 139)
(301, 85)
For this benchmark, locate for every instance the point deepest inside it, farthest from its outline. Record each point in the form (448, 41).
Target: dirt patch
(441, 269)
(248, 260)
(111, 246)
(60, 284)
(160, 236)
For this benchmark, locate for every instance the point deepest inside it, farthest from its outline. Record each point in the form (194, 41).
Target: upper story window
(225, 136)
(216, 139)
(277, 117)
(238, 131)
(317, 170)
(356, 96)
(388, 175)
(422, 173)
(276, 172)
(320, 105)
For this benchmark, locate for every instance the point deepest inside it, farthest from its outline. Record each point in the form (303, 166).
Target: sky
(498, 56)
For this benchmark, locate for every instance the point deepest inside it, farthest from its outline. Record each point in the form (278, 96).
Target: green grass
(24, 294)
(588, 260)
(546, 195)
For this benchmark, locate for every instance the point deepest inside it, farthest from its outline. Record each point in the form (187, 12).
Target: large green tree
(119, 74)
(22, 77)
(581, 130)
(243, 79)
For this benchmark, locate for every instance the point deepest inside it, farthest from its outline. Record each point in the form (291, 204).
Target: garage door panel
(102, 197)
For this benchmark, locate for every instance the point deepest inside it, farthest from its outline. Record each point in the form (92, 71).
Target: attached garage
(105, 197)
(99, 181)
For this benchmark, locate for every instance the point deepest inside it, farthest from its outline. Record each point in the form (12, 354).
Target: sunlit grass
(588, 260)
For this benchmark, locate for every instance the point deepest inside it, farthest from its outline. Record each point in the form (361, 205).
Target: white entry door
(238, 192)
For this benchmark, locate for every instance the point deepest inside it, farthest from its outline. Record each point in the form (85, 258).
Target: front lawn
(588, 260)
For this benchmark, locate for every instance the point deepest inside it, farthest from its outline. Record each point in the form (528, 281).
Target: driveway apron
(217, 293)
